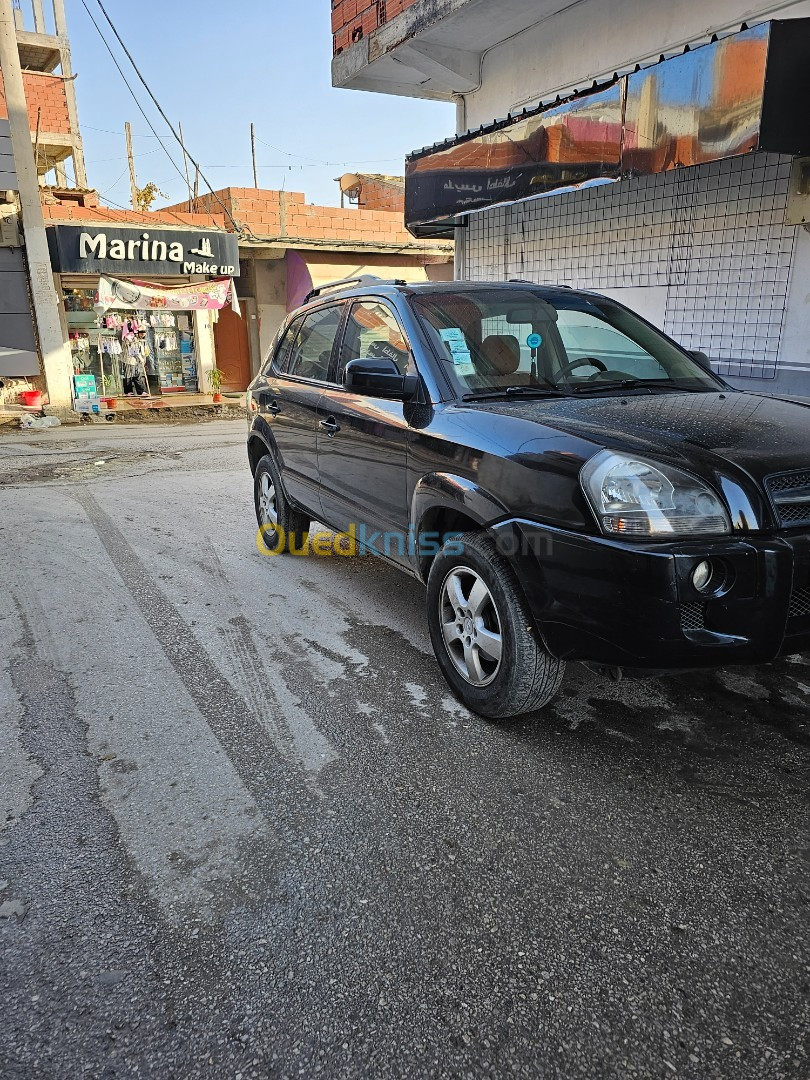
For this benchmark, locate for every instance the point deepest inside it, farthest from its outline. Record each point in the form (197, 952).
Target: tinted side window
(373, 331)
(313, 347)
(282, 352)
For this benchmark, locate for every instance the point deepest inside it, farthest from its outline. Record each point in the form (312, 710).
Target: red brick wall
(48, 93)
(260, 211)
(352, 20)
(74, 213)
(378, 195)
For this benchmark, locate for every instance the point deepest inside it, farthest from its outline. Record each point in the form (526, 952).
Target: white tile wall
(712, 236)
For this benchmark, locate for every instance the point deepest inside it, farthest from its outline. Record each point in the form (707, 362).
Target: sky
(217, 66)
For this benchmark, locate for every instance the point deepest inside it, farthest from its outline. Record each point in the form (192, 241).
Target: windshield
(525, 340)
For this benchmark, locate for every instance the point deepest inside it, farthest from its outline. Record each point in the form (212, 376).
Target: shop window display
(99, 345)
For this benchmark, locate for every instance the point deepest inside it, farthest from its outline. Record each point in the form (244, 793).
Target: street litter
(27, 422)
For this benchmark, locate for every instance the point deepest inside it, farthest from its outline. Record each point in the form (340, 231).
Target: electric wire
(241, 231)
(305, 163)
(132, 92)
(168, 122)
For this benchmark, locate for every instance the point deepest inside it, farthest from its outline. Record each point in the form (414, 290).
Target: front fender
(448, 491)
(441, 493)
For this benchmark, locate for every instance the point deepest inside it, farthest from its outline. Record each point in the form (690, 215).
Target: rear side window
(284, 347)
(312, 351)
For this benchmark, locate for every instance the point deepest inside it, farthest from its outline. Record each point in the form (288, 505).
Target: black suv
(568, 481)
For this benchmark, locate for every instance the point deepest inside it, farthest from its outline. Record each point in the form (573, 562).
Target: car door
(291, 396)
(363, 440)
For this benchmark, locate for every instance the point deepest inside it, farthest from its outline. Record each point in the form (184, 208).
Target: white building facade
(710, 244)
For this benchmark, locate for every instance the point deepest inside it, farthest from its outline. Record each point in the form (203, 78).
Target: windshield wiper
(515, 392)
(634, 384)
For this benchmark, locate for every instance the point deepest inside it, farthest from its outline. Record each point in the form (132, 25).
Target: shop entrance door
(232, 349)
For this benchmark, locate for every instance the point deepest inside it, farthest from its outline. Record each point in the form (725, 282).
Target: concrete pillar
(60, 23)
(39, 17)
(53, 347)
(204, 348)
(271, 300)
(460, 236)
(73, 114)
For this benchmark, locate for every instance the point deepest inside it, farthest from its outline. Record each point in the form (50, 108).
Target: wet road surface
(246, 831)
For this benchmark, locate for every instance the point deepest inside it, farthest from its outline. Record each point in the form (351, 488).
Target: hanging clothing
(133, 366)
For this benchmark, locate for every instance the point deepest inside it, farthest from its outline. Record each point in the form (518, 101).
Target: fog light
(702, 576)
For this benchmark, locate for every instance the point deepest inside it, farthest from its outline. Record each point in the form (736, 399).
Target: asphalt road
(247, 831)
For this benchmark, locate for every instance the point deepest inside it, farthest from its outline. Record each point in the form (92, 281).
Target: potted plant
(215, 378)
(108, 381)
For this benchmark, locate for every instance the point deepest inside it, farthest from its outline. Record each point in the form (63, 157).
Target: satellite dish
(350, 184)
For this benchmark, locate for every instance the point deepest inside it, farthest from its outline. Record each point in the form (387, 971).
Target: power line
(128, 86)
(102, 161)
(163, 114)
(119, 206)
(306, 163)
(326, 164)
(316, 162)
(110, 131)
(115, 182)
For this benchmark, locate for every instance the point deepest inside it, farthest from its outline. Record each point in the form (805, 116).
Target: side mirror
(702, 359)
(378, 378)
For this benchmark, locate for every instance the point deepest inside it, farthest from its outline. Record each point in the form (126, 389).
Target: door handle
(330, 426)
(273, 407)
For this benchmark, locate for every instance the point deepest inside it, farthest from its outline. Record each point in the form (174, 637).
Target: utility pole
(133, 186)
(253, 153)
(185, 162)
(36, 141)
(56, 359)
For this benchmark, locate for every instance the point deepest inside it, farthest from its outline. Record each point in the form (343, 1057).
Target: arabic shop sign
(570, 145)
(91, 249)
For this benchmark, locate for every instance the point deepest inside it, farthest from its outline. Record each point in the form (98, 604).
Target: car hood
(761, 435)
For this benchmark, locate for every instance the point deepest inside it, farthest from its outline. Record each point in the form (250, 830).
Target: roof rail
(525, 281)
(363, 279)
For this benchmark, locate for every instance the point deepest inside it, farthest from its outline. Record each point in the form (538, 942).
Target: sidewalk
(129, 409)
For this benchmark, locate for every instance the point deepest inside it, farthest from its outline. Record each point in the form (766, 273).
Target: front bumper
(633, 605)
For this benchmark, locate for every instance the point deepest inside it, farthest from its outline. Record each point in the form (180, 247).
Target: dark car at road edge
(568, 482)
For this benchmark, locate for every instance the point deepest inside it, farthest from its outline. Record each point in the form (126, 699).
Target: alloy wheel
(268, 507)
(471, 626)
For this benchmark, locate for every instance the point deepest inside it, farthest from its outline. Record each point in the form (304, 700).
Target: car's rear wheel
(482, 633)
(282, 527)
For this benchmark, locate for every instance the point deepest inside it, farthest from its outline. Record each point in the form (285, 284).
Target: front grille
(794, 513)
(799, 604)
(692, 616)
(790, 494)
(789, 481)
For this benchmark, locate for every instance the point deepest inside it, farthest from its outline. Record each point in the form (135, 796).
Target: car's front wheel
(482, 633)
(282, 527)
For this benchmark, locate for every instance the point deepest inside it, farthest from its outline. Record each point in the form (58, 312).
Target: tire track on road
(263, 681)
(241, 733)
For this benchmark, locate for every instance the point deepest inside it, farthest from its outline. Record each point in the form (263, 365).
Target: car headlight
(633, 497)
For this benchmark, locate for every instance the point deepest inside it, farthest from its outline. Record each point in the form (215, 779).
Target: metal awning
(742, 93)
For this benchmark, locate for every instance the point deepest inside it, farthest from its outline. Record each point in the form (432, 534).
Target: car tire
(281, 527)
(483, 635)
